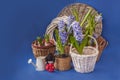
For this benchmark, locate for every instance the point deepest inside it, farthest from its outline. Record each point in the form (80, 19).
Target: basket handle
(51, 27)
(90, 37)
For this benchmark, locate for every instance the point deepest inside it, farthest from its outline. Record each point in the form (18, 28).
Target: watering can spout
(30, 62)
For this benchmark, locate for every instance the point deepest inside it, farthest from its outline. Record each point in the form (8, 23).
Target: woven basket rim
(42, 47)
(77, 3)
(62, 57)
(82, 55)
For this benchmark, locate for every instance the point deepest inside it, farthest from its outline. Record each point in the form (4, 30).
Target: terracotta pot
(62, 64)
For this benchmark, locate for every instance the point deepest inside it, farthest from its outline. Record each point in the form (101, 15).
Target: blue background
(22, 20)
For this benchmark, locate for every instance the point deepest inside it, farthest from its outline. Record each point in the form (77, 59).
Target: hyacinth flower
(61, 26)
(77, 31)
(63, 36)
(77, 40)
(62, 32)
(95, 35)
(98, 18)
(69, 22)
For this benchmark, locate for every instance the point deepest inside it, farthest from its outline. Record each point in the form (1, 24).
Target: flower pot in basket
(42, 50)
(85, 62)
(62, 63)
(62, 60)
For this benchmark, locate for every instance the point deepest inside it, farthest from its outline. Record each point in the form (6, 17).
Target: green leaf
(75, 13)
(85, 18)
(47, 38)
(39, 39)
(75, 43)
(83, 44)
(59, 45)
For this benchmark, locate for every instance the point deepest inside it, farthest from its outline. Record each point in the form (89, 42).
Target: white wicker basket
(85, 63)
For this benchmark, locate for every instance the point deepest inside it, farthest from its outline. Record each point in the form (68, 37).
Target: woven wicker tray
(82, 9)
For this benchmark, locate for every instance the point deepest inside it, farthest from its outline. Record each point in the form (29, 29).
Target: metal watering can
(40, 63)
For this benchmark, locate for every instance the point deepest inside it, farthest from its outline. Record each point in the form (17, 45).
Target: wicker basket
(102, 43)
(85, 63)
(82, 9)
(42, 51)
(63, 64)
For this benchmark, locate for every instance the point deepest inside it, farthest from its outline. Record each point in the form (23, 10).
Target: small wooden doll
(50, 59)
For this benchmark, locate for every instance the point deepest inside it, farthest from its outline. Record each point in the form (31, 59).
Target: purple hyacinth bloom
(98, 18)
(61, 25)
(62, 31)
(77, 30)
(70, 20)
(95, 35)
(63, 36)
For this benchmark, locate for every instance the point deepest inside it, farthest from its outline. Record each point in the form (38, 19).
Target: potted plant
(42, 47)
(83, 62)
(83, 55)
(62, 60)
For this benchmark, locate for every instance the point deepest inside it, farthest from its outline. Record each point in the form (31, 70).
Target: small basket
(102, 43)
(43, 50)
(85, 63)
(63, 64)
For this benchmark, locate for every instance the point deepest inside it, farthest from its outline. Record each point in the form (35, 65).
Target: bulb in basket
(43, 46)
(41, 42)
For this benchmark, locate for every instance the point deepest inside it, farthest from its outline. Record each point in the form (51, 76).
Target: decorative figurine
(50, 59)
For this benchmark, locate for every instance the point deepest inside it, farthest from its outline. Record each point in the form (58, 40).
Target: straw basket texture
(42, 50)
(102, 44)
(62, 64)
(85, 62)
(82, 10)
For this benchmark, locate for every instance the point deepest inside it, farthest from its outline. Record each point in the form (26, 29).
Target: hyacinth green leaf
(47, 37)
(76, 14)
(90, 27)
(85, 18)
(39, 39)
(83, 44)
(59, 45)
(74, 43)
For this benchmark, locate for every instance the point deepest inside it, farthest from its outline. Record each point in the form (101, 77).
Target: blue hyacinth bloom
(69, 22)
(62, 31)
(61, 25)
(77, 31)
